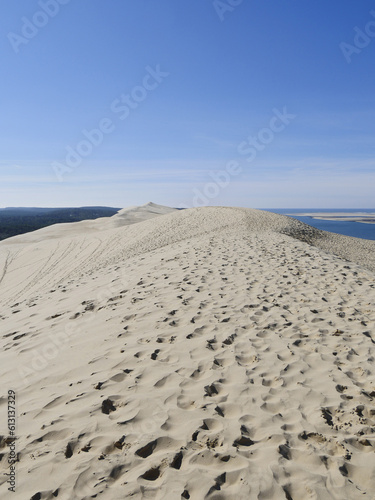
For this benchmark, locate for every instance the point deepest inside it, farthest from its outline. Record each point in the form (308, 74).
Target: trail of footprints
(230, 351)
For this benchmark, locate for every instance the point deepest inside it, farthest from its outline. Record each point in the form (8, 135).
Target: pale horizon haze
(207, 102)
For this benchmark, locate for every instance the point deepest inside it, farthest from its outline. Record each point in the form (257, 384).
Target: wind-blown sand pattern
(210, 353)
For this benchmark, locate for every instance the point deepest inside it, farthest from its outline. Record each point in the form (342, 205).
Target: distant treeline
(15, 221)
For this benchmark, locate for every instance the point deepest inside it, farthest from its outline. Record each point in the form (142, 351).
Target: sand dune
(209, 353)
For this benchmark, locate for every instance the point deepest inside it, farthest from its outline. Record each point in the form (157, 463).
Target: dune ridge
(209, 353)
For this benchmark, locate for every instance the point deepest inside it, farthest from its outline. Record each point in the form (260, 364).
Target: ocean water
(356, 229)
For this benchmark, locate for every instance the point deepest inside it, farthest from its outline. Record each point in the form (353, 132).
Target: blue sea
(356, 229)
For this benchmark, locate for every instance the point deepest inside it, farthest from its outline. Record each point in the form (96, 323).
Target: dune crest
(208, 353)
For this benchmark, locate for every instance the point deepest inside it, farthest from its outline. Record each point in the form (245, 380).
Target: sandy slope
(214, 353)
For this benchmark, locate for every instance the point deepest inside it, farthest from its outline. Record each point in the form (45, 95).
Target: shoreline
(366, 218)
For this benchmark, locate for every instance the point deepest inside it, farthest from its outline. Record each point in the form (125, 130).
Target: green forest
(14, 221)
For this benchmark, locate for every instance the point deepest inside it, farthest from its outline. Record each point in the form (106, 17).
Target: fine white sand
(209, 353)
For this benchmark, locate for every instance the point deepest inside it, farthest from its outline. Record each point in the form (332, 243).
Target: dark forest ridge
(20, 220)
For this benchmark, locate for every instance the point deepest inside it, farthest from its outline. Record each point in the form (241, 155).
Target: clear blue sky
(220, 74)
